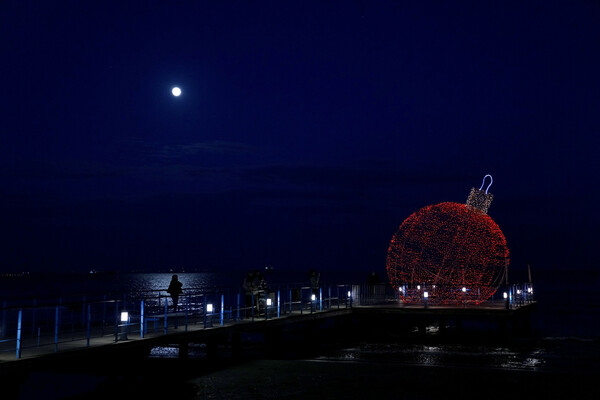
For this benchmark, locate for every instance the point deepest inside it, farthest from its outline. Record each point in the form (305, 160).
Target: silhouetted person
(175, 290)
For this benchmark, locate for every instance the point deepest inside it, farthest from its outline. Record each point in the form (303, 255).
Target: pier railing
(507, 296)
(37, 329)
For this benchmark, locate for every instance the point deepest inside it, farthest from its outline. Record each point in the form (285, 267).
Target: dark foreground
(364, 357)
(357, 372)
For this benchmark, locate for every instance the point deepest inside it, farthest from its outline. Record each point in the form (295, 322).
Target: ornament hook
(488, 186)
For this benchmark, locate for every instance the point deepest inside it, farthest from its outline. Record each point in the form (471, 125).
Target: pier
(214, 324)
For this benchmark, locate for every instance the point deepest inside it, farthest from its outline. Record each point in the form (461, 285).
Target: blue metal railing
(46, 328)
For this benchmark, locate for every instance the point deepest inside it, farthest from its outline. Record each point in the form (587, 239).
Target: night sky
(306, 132)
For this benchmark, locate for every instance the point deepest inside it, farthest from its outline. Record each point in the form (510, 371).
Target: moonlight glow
(176, 91)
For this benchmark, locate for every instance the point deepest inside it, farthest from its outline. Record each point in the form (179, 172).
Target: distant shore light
(176, 91)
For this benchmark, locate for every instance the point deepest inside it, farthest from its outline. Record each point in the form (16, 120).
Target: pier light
(418, 287)
(268, 302)
(401, 290)
(464, 289)
(530, 290)
(124, 316)
(518, 291)
(313, 297)
(349, 293)
(209, 308)
(425, 294)
(505, 295)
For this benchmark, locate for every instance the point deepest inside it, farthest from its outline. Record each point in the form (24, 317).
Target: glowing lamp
(124, 316)
(505, 295)
(418, 287)
(313, 297)
(268, 302)
(349, 294)
(425, 294)
(209, 308)
(464, 289)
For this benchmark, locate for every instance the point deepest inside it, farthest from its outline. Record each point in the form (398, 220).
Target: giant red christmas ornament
(449, 253)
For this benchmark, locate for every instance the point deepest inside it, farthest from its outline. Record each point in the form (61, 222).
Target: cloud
(171, 152)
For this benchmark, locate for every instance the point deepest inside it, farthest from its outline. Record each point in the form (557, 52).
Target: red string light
(454, 252)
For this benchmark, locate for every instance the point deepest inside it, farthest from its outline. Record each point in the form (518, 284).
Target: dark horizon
(305, 133)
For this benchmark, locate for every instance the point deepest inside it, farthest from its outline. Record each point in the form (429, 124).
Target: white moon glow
(176, 91)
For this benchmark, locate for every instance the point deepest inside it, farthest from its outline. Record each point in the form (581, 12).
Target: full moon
(176, 91)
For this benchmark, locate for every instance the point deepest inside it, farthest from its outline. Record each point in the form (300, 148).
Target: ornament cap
(480, 200)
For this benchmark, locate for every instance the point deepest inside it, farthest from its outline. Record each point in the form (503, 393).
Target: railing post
(19, 333)
(222, 307)
(320, 299)
(56, 330)
(103, 313)
(238, 308)
(166, 325)
(83, 310)
(142, 322)
(3, 326)
(204, 310)
(252, 307)
(33, 315)
(88, 325)
(187, 308)
(117, 319)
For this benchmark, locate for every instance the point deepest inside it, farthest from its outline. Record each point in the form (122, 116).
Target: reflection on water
(74, 287)
(457, 355)
(153, 282)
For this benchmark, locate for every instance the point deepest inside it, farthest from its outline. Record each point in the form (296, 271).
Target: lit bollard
(268, 304)
(124, 319)
(208, 315)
